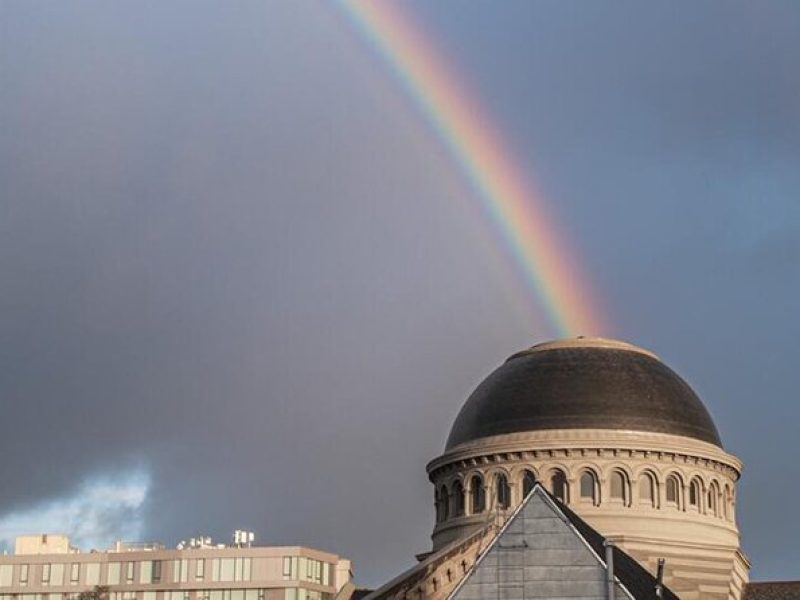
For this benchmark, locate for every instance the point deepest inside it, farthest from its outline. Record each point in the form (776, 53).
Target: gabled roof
(772, 590)
(633, 578)
(638, 580)
(630, 575)
(420, 574)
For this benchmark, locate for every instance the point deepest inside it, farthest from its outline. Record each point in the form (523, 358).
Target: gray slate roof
(636, 579)
(631, 574)
(772, 590)
(583, 388)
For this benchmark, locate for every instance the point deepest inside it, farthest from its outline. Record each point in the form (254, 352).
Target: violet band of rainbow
(509, 201)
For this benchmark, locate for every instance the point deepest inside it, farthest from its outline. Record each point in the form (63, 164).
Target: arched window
(528, 479)
(712, 499)
(503, 492)
(444, 498)
(588, 487)
(458, 499)
(619, 489)
(726, 503)
(477, 495)
(559, 485)
(673, 490)
(438, 503)
(694, 494)
(647, 490)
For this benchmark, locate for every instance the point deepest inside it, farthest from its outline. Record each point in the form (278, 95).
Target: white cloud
(102, 510)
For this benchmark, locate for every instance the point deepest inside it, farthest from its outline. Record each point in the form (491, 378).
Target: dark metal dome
(583, 383)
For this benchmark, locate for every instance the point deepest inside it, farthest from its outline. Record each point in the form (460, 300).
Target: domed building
(615, 435)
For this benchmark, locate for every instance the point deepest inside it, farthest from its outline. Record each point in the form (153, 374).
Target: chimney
(609, 569)
(660, 579)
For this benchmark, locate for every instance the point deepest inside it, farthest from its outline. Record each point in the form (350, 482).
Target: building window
(477, 495)
(726, 503)
(309, 569)
(180, 570)
(146, 571)
(244, 567)
(712, 500)
(129, 572)
(647, 490)
(673, 490)
(200, 569)
(234, 569)
(150, 571)
(528, 479)
(439, 501)
(458, 499)
(224, 569)
(92, 574)
(444, 497)
(694, 494)
(113, 573)
(46, 574)
(619, 487)
(503, 491)
(6, 575)
(287, 567)
(23, 574)
(588, 487)
(559, 485)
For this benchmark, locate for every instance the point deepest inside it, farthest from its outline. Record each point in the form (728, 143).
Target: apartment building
(48, 567)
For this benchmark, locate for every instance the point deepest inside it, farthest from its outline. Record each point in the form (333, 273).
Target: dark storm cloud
(233, 260)
(208, 263)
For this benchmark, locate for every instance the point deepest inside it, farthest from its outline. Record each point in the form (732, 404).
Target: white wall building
(47, 567)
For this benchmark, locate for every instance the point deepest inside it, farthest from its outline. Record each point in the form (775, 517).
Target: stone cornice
(577, 443)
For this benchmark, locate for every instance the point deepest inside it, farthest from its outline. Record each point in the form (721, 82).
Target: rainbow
(508, 199)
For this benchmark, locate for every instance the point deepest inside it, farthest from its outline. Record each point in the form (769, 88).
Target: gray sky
(243, 285)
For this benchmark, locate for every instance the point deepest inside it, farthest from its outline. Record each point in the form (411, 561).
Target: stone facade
(539, 550)
(537, 555)
(656, 495)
